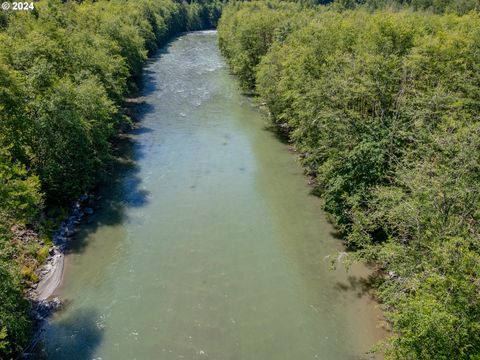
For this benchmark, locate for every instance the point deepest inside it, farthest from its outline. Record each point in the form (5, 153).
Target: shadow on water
(360, 285)
(141, 130)
(76, 333)
(150, 83)
(337, 234)
(280, 133)
(121, 189)
(140, 111)
(80, 335)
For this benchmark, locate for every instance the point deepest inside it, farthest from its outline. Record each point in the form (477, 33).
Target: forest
(382, 101)
(380, 97)
(65, 68)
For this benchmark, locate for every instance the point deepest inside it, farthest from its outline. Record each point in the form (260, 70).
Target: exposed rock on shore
(51, 272)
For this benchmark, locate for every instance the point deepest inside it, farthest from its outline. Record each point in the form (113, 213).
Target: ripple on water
(216, 248)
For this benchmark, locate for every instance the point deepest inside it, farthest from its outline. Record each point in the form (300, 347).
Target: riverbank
(51, 273)
(374, 100)
(44, 294)
(74, 109)
(212, 229)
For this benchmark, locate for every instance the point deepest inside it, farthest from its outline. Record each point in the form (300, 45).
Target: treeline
(434, 6)
(64, 69)
(459, 7)
(384, 107)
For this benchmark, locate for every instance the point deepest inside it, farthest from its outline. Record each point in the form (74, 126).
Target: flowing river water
(208, 244)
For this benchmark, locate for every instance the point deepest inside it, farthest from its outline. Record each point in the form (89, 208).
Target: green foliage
(71, 136)
(14, 320)
(67, 69)
(202, 15)
(384, 107)
(19, 190)
(64, 70)
(434, 6)
(247, 31)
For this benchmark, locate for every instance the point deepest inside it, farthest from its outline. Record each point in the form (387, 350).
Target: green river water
(207, 244)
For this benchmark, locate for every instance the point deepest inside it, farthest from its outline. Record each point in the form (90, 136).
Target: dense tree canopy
(385, 109)
(64, 69)
(382, 102)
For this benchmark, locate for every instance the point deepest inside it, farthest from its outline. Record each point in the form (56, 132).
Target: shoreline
(52, 278)
(51, 272)
(41, 294)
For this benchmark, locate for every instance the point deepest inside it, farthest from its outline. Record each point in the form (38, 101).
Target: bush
(384, 107)
(64, 70)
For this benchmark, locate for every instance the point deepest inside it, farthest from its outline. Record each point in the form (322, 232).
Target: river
(207, 243)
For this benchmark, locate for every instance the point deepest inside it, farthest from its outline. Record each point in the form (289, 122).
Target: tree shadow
(337, 234)
(120, 190)
(280, 133)
(251, 94)
(75, 337)
(120, 186)
(149, 82)
(360, 285)
(141, 130)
